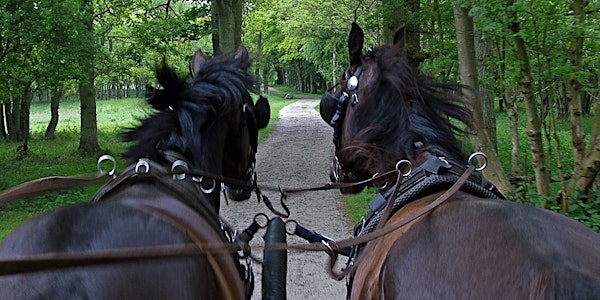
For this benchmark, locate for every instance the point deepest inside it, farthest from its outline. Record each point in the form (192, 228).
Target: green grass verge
(59, 157)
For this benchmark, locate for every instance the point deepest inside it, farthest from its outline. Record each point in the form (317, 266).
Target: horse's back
(103, 226)
(472, 248)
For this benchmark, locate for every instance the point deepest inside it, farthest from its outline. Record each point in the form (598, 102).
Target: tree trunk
(8, 117)
(512, 110)
(27, 97)
(587, 170)
(3, 132)
(229, 24)
(395, 16)
(585, 175)
(88, 140)
(573, 84)
(468, 73)
(258, 60)
(534, 133)
(440, 28)
(214, 14)
(55, 97)
(482, 54)
(15, 132)
(265, 74)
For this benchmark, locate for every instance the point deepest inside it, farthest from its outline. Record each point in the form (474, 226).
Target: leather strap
(332, 248)
(48, 184)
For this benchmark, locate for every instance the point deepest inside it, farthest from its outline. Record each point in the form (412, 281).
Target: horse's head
(210, 121)
(384, 111)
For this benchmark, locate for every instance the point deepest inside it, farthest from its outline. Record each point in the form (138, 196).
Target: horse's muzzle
(241, 193)
(337, 175)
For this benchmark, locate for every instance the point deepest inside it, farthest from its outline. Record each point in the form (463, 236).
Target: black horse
(203, 130)
(445, 242)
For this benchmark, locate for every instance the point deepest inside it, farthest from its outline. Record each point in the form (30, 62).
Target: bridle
(249, 176)
(348, 95)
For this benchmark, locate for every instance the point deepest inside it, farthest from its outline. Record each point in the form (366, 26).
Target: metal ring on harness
(261, 224)
(472, 160)
(208, 190)
(294, 226)
(104, 158)
(376, 185)
(181, 167)
(402, 163)
(142, 163)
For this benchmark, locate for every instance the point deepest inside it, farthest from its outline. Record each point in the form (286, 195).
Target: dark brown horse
(475, 245)
(201, 129)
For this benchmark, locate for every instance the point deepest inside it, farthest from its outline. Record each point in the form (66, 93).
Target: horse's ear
(355, 44)
(262, 112)
(242, 54)
(399, 37)
(197, 61)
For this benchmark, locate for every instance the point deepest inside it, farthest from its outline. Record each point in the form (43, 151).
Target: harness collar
(435, 174)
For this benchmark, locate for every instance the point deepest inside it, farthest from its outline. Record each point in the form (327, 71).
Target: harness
(188, 212)
(434, 175)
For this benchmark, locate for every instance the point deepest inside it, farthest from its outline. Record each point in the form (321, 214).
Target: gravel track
(297, 154)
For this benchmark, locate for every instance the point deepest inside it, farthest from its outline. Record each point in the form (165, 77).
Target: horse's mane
(183, 108)
(407, 114)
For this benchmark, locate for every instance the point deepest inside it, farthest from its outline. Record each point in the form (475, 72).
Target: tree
(403, 14)
(88, 140)
(534, 135)
(573, 83)
(228, 19)
(587, 165)
(480, 139)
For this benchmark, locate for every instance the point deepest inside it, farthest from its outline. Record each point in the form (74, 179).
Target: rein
(49, 261)
(332, 248)
(49, 184)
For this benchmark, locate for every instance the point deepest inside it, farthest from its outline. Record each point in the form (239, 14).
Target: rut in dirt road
(297, 154)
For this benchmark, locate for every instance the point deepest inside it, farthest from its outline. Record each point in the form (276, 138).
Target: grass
(59, 157)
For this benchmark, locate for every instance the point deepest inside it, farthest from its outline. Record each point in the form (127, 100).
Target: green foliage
(585, 208)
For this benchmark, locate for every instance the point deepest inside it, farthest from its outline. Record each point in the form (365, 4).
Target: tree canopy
(303, 44)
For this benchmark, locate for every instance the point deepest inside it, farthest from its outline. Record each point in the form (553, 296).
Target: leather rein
(50, 261)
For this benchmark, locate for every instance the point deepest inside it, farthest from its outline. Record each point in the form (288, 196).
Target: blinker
(330, 108)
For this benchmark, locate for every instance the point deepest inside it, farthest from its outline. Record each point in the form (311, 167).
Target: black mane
(184, 109)
(408, 113)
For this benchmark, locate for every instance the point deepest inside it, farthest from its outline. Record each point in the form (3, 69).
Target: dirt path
(297, 154)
